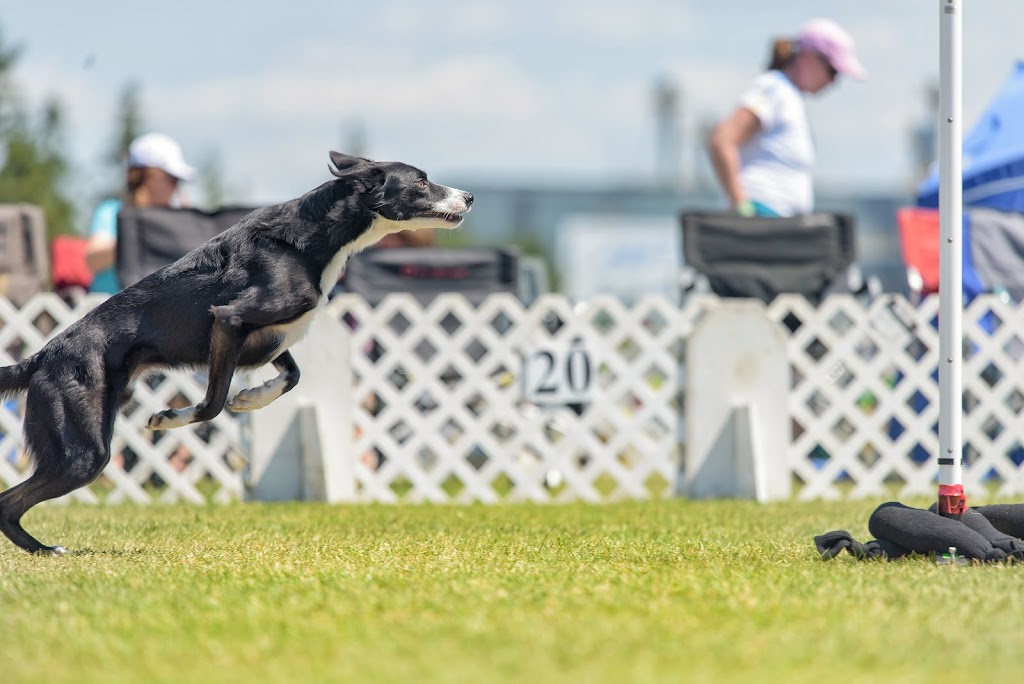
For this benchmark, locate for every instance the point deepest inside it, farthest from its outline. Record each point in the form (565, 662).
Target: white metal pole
(951, 494)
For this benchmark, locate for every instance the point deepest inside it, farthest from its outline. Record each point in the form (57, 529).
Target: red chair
(69, 273)
(919, 244)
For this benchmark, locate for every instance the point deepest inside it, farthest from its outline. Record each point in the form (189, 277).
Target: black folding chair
(24, 258)
(149, 239)
(426, 272)
(763, 257)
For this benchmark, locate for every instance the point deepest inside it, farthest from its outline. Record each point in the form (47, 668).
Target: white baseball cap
(159, 151)
(832, 42)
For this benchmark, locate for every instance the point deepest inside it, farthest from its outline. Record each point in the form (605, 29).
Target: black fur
(237, 301)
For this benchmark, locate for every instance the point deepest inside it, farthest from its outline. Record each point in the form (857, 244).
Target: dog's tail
(14, 379)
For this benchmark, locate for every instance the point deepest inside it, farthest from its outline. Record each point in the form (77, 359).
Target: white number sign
(554, 375)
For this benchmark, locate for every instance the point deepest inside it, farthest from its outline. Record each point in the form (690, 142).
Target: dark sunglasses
(832, 73)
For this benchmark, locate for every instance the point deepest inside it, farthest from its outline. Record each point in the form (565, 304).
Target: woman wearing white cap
(156, 166)
(763, 152)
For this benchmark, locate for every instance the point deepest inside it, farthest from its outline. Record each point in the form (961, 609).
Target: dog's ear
(346, 163)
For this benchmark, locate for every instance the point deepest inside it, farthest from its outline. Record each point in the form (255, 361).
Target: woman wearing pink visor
(763, 152)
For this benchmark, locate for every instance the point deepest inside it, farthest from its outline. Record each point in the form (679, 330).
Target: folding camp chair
(919, 245)
(70, 274)
(24, 259)
(149, 239)
(426, 272)
(763, 257)
(993, 251)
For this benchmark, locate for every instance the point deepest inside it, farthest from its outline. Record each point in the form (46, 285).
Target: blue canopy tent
(993, 154)
(993, 204)
(993, 195)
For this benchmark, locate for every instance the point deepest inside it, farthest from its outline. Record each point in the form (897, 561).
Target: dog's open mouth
(447, 217)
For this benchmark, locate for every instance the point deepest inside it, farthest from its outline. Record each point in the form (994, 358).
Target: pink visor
(832, 42)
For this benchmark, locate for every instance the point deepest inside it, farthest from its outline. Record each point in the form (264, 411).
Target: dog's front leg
(258, 397)
(226, 344)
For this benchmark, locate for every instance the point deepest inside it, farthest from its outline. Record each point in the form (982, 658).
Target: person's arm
(724, 149)
(101, 253)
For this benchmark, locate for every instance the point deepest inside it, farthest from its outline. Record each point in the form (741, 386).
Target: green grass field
(640, 592)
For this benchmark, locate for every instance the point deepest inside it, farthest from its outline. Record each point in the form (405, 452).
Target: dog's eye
(422, 182)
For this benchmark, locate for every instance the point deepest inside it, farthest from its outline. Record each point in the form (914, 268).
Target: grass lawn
(639, 592)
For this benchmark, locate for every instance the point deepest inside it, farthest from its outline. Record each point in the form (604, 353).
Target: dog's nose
(469, 199)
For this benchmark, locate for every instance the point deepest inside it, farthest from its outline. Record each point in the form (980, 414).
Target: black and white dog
(240, 300)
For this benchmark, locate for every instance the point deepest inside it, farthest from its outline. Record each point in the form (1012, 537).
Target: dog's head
(402, 194)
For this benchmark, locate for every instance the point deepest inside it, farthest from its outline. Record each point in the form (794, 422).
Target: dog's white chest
(332, 272)
(292, 332)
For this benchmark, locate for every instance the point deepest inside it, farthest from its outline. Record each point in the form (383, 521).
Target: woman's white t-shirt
(776, 165)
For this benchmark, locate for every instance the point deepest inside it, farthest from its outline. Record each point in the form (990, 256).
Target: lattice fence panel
(443, 413)
(864, 402)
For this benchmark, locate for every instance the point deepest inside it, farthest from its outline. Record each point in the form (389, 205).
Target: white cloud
(538, 87)
(87, 107)
(467, 87)
(622, 23)
(479, 18)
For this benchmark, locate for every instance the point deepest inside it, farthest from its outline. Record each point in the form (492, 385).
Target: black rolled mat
(901, 530)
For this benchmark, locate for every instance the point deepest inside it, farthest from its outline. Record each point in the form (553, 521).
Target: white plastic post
(301, 444)
(737, 420)
(951, 496)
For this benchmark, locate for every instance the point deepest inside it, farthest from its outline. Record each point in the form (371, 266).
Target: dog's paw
(51, 551)
(171, 418)
(258, 397)
(247, 400)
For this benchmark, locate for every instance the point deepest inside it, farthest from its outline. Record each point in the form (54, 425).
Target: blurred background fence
(558, 401)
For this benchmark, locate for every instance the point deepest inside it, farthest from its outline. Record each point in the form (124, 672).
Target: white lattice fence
(442, 410)
(864, 398)
(446, 412)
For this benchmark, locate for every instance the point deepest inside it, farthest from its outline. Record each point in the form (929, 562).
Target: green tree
(130, 123)
(34, 168)
(8, 57)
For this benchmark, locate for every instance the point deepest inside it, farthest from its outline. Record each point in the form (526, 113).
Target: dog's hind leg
(16, 501)
(42, 486)
(69, 454)
(258, 397)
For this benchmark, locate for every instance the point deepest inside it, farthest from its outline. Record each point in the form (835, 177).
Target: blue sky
(493, 90)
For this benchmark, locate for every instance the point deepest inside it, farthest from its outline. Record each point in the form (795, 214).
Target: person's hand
(745, 208)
